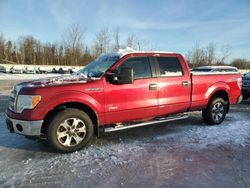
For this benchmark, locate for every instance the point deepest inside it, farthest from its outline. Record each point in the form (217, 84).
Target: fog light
(19, 128)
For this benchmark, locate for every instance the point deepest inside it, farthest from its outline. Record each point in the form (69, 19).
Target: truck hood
(55, 81)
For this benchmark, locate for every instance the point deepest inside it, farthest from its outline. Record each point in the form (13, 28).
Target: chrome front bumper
(28, 128)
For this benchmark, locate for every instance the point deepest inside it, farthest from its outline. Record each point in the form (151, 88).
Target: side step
(161, 120)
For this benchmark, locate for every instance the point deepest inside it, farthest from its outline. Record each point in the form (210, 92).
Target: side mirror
(112, 78)
(124, 77)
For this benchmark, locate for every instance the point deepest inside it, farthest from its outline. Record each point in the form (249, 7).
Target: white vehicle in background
(42, 70)
(29, 70)
(225, 69)
(16, 69)
(74, 69)
(3, 69)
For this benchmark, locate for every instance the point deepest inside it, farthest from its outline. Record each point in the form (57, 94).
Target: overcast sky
(167, 25)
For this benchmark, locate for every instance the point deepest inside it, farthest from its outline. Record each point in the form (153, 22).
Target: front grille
(12, 99)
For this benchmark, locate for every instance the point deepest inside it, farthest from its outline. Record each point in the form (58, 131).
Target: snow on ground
(185, 153)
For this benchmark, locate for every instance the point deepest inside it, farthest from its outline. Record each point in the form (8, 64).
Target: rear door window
(169, 66)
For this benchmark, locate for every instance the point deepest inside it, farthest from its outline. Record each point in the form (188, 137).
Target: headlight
(27, 102)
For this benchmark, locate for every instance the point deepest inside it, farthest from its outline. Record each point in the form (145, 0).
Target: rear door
(174, 84)
(137, 100)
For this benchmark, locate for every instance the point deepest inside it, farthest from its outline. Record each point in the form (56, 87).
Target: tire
(70, 130)
(245, 97)
(215, 111)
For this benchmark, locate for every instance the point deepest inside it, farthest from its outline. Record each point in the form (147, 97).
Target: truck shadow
(146, 133)
(141, 134)
(149, 132)
(245, 102)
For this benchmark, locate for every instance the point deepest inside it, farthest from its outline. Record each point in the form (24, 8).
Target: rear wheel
(215, 112)
(69, 130)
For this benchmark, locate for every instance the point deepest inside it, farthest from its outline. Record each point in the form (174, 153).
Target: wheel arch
(222, 94)
(81, 106)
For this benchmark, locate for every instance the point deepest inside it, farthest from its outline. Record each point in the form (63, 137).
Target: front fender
(70, 96)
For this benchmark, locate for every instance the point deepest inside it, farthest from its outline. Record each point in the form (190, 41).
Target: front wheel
(70, 130)
(215, 111)
(245, 97)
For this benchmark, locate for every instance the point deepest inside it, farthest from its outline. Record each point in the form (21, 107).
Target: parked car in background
(73, 70)
(2, 69)
(29, 70)
(15, 69)
(54, 70)
(225, 69)
(41, 70)
(246, 86)
(63, 70)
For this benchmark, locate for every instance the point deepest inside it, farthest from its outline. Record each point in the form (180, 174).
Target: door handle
(185, 83)
(153, 86)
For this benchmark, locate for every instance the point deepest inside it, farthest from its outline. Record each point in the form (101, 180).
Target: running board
(161, 120)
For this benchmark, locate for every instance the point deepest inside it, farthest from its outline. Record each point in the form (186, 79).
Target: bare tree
(241, 63)
(225, 52)
(73, 43)
(130, 40)
(197, 56)
(210, 56)
(200, 56)
(116, 45)
(27, 45)
(102, 42)
(141, 44)
(2, 48)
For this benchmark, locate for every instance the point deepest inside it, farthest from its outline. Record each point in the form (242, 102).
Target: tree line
(209, 55)
(74, 51)
(71, 50)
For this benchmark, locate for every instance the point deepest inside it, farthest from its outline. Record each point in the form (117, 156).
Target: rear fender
(218, 86)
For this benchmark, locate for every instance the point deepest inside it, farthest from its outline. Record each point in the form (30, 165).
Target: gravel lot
(185, 153)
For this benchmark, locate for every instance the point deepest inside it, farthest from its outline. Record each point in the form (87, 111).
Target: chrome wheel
(71, 132)
(218, 111)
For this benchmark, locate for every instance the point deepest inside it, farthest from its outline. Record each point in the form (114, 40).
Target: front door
(134, 101)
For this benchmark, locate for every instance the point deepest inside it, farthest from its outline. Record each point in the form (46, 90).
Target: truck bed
(205, 84)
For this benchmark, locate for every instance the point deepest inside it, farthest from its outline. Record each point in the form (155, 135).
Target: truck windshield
(99, 66)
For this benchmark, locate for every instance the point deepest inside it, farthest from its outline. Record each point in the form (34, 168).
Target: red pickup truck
(118, 91)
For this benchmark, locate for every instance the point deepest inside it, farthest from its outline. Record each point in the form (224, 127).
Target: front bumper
(28, 128)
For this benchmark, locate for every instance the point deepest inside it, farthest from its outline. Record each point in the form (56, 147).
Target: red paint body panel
(204, 86)
(130, 101)
(173, 97)
(119, 103)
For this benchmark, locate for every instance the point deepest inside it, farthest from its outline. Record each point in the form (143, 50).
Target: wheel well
(222, 94)
(63, 106)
